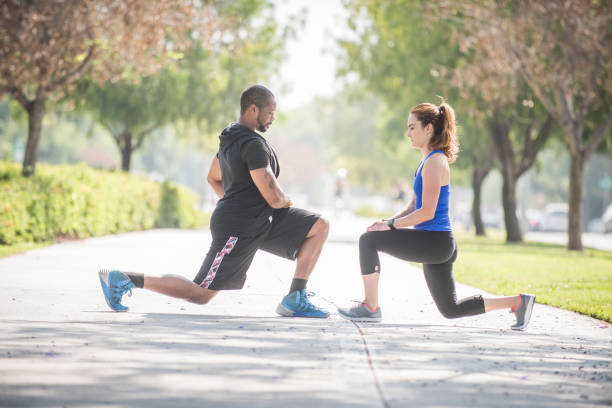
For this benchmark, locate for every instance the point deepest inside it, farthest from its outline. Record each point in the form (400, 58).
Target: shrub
(77, 201)
(369, 212)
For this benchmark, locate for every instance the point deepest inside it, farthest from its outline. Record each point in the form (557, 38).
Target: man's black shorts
(230, 256)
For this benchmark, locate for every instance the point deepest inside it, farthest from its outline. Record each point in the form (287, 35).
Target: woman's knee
(452, 309)
(366, 239)
(449, 311)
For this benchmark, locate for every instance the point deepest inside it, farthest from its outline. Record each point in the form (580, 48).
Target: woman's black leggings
(436, 250)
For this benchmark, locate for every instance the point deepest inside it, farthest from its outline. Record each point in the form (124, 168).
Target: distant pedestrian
(253, 213)
(399, 195)
(341, 192)
(430, 241)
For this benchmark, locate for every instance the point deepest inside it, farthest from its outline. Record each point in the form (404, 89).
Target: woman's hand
(379, 226)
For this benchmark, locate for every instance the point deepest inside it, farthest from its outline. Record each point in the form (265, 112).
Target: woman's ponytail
(447, 140)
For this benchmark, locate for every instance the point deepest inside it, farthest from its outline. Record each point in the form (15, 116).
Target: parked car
(534, 219)
(492, 219)
(606, 219)
(555, 217)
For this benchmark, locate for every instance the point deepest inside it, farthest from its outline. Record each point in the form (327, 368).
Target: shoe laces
(125, 286)
(305, 304)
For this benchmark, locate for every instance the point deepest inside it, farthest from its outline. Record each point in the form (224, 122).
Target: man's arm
(269, 188)
(214, 177)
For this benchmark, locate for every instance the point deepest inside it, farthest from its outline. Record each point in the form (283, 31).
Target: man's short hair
(256, 94)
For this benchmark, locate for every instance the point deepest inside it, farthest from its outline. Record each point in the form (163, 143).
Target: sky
(310, 69)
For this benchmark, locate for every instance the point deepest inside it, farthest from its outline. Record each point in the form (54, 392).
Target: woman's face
(419, 136)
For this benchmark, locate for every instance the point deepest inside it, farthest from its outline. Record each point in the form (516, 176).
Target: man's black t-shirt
(242, 209)
(255, 154)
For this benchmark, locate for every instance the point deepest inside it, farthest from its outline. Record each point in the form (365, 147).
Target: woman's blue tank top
(441, 219)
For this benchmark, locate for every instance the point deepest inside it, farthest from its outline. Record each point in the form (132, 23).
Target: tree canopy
(45, 46)
(198, 90)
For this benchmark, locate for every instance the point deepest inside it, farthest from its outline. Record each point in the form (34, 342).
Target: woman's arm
(406, 210)
(433, 173)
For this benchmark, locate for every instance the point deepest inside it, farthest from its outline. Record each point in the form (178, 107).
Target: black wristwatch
(390, 222)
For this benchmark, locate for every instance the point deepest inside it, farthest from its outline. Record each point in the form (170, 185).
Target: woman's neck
(426, 150)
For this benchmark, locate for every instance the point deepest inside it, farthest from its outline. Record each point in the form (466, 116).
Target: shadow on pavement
(181, 359)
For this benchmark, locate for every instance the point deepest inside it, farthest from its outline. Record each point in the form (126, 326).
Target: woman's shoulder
(437, 157)
(436, 162)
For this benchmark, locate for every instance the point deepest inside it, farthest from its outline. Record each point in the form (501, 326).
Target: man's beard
(261, 126)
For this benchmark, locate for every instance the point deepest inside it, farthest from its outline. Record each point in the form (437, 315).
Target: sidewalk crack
(383, 400)
(371, 365)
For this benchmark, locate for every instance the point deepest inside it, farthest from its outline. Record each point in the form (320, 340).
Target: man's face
(266, 116)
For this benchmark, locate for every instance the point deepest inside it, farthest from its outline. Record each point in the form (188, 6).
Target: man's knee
(200, 300)
(323, 226)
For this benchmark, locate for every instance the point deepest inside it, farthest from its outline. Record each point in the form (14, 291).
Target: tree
(560, 50)
(516, 151)
(130, 112)
(403, 53)
(201, 86)
(478, 154)
(517, 126)
(45, 46)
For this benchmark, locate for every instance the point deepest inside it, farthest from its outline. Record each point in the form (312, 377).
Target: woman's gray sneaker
(523, 312)
(359, 313)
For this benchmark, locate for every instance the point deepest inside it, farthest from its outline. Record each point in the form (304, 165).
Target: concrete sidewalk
(60, 346)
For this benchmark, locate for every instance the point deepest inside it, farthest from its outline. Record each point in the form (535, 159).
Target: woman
(430, 240)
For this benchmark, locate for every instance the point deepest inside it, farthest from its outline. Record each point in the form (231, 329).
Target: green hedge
(77, 201)
(369, 212)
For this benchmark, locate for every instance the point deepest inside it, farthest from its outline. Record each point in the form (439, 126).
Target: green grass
(8, 250)
(578, 281)
(369, 212)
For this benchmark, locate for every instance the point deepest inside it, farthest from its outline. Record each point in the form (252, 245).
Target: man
(253, 213)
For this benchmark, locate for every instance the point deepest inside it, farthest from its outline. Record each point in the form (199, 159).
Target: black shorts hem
(230, 255)
(289, 230)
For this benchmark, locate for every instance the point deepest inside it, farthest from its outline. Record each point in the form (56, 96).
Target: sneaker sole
(103, 275)
(360, 319)
(528, 311)
(283, 311)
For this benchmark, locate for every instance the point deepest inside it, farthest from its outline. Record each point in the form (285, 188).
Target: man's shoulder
(255, 142)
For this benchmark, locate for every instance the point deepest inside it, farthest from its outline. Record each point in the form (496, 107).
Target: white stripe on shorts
(210, 276)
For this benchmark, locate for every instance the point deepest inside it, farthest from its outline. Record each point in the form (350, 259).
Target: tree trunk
(513, 229)
(577, 162)
(477, 180)
(36, 113)
(500, 132)
(126, 150)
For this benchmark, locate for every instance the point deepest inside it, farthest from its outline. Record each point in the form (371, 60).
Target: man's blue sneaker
(114, 285)
(296, 304)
